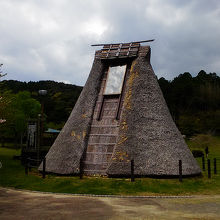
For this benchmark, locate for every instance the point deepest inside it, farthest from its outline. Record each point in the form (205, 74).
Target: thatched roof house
(121, 115)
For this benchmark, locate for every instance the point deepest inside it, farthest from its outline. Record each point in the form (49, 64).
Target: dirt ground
(17, 204)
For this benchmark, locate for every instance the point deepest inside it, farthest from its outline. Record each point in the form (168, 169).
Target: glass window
(115, 80)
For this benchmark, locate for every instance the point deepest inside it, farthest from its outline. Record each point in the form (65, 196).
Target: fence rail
(209, 166)
(28, 165)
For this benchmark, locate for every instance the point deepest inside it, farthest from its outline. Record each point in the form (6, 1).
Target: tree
(1, 100)
(1, 107)
(7, 114)
(2, 74)
(17, 111)
(24, 108)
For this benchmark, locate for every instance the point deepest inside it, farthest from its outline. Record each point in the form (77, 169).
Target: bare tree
(2, 74)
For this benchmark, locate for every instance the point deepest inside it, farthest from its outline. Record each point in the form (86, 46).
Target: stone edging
(105, 196)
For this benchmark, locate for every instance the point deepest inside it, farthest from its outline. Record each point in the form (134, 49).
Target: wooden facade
(113, 124)
(105, 126)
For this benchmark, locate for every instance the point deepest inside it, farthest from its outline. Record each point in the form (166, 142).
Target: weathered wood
(107, 135)
(119, 106)
(129, 49)
(146, 131)
(26, 166)
(209, 169)
(103, 133)
(44, 167)
(132, 170)
(180, 171)
(143, 41)
(112, 51)
(109, 51)
(215, 166)
(203, 163)
(100, 143)
(104, 126)
(100, 109)
(99, 153)
(81, 169)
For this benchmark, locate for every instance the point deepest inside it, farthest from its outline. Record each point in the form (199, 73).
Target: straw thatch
(146, 133)
(64, 155)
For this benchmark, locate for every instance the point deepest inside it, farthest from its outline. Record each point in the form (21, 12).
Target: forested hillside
(59, 100)
(194, 102)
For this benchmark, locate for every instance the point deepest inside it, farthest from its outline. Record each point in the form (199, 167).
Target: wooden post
(180, 171)
(81, 168)
(38, 137)
(29, 164)
(203, 163)
(26, 166)
(207, 152)
(209, 169)
(215, 167)
(44, 167)
(132, 170)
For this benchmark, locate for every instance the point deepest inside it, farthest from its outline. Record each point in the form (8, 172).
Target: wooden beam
(143, 41)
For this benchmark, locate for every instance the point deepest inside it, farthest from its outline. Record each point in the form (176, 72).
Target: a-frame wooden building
(121, 115)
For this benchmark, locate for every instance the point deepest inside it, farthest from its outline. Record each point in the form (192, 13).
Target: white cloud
(166, 14)
(95, 26)
(50, 39)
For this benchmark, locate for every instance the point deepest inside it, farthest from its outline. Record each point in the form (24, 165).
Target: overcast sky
(50, 39)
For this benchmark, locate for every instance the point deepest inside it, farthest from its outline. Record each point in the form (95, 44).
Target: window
(115, 80)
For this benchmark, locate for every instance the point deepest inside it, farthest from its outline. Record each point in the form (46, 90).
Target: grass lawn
(12, 175)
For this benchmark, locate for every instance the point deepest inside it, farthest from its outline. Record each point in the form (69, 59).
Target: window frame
(121, 83)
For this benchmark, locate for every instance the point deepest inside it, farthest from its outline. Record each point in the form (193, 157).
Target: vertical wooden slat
(103, 134)
(180, 171)
(44, 167)
(118, 112)
(203, 163)
(209, 169)
(215, 166)
(132, 170)
(81, 168)
(100, 108)
(119, 49)
(129, 49)
(107, 54)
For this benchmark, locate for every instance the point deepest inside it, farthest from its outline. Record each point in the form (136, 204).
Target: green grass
(12, 175)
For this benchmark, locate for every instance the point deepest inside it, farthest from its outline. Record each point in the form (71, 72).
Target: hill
(194, 102)
(59, 100)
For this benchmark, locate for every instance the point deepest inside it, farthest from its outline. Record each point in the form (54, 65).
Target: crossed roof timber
(143, 41)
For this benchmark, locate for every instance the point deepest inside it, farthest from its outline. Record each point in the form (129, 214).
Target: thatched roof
(150, 136)
(147, 132)
(64, 155)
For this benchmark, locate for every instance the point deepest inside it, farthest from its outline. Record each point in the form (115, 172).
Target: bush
(197, 153)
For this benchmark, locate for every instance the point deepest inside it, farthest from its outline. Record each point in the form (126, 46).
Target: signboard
(32, 135)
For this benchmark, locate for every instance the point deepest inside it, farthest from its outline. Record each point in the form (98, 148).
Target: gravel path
(27, 205)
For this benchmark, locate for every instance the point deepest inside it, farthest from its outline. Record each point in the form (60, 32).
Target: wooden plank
(107, 101)
(143, 41)
(108, 135)
(119, 49)
(104, 126)
(118, 112)
(108, 153)
(101, 143)
(113, 51)
(100, 109)
(103, 133)
(109, 50)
